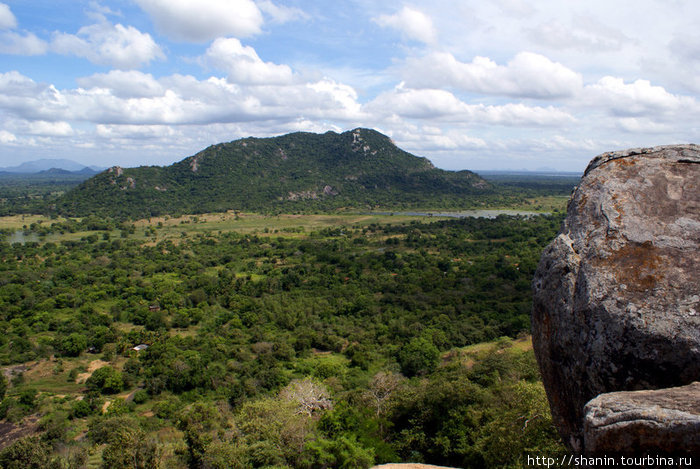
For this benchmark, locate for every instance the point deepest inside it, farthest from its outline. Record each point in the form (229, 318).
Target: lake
(22, 237)
(466, 213)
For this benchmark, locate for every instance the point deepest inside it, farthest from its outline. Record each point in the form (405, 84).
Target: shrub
(106, 380)
(72, 345)
(80, 409)
(419, 356)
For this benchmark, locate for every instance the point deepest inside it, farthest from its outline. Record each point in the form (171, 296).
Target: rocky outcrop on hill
(617, 294)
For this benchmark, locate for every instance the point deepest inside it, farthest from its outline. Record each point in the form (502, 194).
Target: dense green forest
(288, 345)
(35, 193)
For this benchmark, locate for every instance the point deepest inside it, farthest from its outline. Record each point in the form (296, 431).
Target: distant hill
(46, 164)
(359, 168)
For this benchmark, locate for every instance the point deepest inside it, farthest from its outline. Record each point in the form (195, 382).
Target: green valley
(274, 303)
(330, 340)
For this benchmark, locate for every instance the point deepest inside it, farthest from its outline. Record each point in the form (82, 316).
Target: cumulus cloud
(243, 64)
(35, 101)
(12, 42)
(176, 99)
(7, 19)
(15, 43)
(637, 98)
(413, 24)
(527, 75)
(422, 139)
(124, 84)
(52, 129)
(642, 125)
(119, 46)
(19, 95)
(520, 114)
(412, 103)
(134, 132)
(443, 105)
(332, 95)
(197, 21)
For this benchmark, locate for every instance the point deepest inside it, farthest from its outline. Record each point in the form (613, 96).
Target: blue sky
(503, 84)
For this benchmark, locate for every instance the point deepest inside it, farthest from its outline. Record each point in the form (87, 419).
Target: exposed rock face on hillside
(617, 293)
(359, 168)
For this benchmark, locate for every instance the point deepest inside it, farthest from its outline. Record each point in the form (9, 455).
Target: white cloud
(686, 47)
(642, 125)
(50, 129)
(583, 33)
(184, 100)
(7, 137)
(329, 95)
(124, 84)
(99, 12)
(526, 75)
(243, 64)
(637, 98)
(19, 95)
(412, 24)
(18, 44)
(136, 132)
(560, 142)
(197, 21)
(119, 46)
(423, 104)
(443, 105)
(419, 140)
(7, 19)
(520, 114)
(12, 42)
(281, 14)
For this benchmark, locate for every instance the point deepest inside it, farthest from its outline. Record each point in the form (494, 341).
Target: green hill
(358, 168)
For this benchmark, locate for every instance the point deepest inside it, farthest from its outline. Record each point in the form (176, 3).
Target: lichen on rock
(617, 293)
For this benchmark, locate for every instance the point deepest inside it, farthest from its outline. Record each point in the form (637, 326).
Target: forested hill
(358, 168)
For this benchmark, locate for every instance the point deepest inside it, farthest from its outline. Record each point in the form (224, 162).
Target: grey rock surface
(632, 422)
(616, 302)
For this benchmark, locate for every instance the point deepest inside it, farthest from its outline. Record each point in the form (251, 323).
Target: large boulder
(631, 422)
(617, 294)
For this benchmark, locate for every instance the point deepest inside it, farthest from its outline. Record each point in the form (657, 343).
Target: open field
(156, 229)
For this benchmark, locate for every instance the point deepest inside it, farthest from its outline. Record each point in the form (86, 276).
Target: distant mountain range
(358, 168)
(54, 166)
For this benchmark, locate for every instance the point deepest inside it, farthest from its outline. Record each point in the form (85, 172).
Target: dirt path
(94, 365)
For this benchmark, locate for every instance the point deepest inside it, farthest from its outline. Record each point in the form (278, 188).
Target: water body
(22, 237)
(466, 213)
